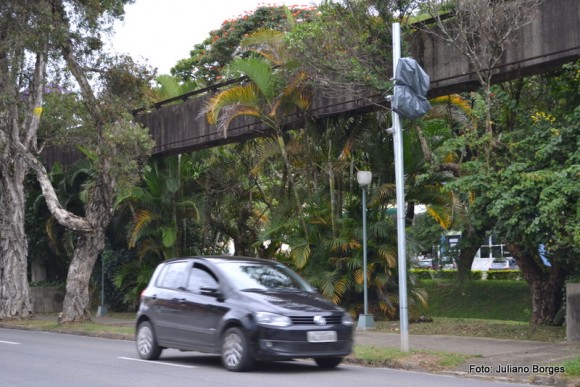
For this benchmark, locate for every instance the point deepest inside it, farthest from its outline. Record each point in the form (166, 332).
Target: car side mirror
(210, 291)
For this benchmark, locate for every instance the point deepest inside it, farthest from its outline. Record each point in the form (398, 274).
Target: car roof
(222, 258)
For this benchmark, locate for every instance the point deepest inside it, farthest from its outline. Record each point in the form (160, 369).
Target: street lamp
(102, 310)
(365, 320)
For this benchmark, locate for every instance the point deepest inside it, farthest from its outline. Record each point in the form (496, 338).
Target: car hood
(289, 301)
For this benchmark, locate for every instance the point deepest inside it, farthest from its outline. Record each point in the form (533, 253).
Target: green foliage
(159, 209)
(45, 246)
(422, 274)
(111, 263)
(170, 87)
(126, 146)
(51, 245)
(484, 327)
(344, 45)
(126, 84)
(520, 175)
(47, 283)
(209, 58)
(503, 275)
(426, 233)
(160, 221)
(62, 114)
(54, 49)
(446, 274)
(450, 275)
(126, 277)
(572, 366)
(537, 186)
(298, 188)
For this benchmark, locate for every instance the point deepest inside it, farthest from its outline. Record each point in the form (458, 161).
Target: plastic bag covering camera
(411, 86)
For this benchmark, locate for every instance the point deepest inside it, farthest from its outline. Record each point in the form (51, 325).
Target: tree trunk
(15, 301)
(465, 261)
(76, 305)
(282, 146)
(545, 283)
(18, 126)
(91, 239)
(546, 299)
(469, 244)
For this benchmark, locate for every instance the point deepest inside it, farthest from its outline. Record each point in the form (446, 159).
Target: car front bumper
(292, 343)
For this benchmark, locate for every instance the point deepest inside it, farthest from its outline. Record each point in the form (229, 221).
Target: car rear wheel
(147, 346)
(328, 362)
(236, 354)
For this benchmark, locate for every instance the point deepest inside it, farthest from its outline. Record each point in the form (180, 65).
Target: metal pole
(364, 220)
(102, 282)
(365, 320)
(102, 310)
(400, 183)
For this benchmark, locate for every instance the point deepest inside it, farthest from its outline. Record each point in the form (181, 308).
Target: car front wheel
(236, 351)
(328, 362)
(146, 343)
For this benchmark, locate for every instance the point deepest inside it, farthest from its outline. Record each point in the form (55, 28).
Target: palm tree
(161, 217)
(331, 257)
(324, 237)
(169, 87)
(268, 96)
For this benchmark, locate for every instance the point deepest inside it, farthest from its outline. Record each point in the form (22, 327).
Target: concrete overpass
(551, 39)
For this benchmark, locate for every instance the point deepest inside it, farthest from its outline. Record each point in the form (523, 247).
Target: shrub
(514, 275)
(474, 275)
(424, 273)
(48, 284)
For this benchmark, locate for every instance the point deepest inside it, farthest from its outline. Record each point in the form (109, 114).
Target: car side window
(200, 277)
(174, 275)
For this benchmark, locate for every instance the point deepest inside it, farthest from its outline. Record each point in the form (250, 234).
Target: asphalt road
(34, 358)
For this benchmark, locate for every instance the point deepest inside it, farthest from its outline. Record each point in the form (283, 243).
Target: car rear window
(173, 275)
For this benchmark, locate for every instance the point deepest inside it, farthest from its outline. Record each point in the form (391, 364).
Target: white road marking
(156, 362)
(9, 342)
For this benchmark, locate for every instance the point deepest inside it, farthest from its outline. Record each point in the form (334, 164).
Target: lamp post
(365, 320)
(102, 310)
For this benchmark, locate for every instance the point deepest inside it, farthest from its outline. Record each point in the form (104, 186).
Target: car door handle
(182, 301)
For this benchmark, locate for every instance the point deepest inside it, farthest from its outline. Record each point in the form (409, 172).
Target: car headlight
(272, 319)
(347, 320)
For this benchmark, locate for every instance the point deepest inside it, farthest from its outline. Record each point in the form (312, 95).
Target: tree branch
(63, 217)
(35, 101)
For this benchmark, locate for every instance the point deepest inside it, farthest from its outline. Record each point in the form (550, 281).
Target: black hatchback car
(245, 309)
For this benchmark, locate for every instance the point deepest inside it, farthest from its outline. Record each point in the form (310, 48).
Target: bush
(424, 273)
(512, 275)
(474, 275)
(48, 284)
(444, 274)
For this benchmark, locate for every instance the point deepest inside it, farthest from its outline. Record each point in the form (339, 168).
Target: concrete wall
(573, 312)
(550, 40)
(47, 299)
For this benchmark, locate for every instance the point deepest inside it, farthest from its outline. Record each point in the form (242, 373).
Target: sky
(161, 32)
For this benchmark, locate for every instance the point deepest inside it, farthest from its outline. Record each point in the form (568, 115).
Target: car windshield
(256, 276)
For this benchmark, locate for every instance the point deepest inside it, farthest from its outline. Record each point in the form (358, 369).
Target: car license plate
(321, 336)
